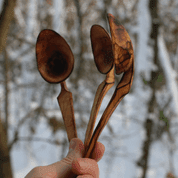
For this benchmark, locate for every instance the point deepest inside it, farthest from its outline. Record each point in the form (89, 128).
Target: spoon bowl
(102, 49)
(122, 45)
(55, 59)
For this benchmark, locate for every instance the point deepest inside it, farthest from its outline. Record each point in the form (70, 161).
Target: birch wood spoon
(55, 62)
(124, 62)
(103, 56)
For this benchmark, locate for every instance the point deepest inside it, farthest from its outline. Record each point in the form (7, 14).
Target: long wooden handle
(66, 104)
(121, 90)
(101, 92)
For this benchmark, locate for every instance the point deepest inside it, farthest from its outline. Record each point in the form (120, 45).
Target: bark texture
(5, 164)
(5, 19)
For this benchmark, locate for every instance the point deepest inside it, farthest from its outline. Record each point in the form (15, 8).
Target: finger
(85, 166)
(98, 151)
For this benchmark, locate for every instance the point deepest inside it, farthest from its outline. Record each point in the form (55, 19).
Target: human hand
(73, 165)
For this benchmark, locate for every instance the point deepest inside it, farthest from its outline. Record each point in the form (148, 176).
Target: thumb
(76, 149)
(64, 167)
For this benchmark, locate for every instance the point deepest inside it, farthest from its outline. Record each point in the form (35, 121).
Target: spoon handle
(66, 104)
(103, 88)
(121, 90)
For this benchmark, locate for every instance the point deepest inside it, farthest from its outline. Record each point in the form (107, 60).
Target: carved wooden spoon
(55, 63)
(103, 56)
(124, 62)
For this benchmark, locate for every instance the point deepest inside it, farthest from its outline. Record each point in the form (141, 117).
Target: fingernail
(72, 145)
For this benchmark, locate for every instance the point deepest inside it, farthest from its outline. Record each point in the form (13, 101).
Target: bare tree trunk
(80, 41)
(143, 161)
(5, 164)
(6, 89)
(6, 16)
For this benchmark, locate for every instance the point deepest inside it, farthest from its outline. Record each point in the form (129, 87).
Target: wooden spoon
(122, 45)
(124, 62)
(55, 63)
(103, 56)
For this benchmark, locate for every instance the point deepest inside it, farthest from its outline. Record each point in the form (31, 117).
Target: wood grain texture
(121, 90)
(123, 62)
(55, 59)
(55, 63)
(104, 59)
(65, 101)
(101, 92)
(122, 45)
(102, 49)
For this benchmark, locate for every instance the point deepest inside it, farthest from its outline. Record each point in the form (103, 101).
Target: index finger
(98, 151)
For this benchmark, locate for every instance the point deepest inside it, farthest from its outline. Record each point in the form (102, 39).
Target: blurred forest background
(141, 138)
